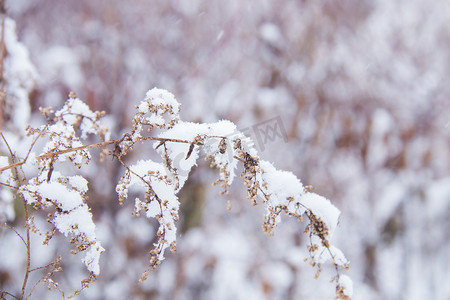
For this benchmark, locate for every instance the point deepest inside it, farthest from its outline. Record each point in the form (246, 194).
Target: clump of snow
(346, 285)
(77, 221)
(286, 189)
(155, 174)
(72, 216)
(92, 258)
(159, 109)
(322, 208)
(283, 191)
(77, 113)
(332, 253)
(160, 200)
(158, 103)
(158, 97)
(79, 183)
(177, 152)
(62, 134)
(63, 137)
(211, 136)
(281, 185)
(66, 198)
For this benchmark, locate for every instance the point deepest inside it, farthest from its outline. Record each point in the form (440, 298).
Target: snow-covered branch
(226, 147)
(40, 168)
(179, 145)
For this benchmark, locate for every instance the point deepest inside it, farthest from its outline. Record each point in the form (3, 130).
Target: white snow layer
(158, 102)
(164, 203)
(74, 217)
(282, 186)
(75, 108)
(213, 134)
(92, 258)
(66, 198)
(347, 284)
(157, 96)
(322, 208)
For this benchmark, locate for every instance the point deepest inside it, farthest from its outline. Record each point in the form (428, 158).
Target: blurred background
(360, 90)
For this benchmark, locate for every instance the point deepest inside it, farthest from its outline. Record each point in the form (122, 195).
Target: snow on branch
(66, 194)
(64, 197)
(157, 183)
(72, 216)
(179, 145)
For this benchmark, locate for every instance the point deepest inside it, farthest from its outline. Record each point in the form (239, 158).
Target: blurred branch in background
(2, 58)
(361, 89)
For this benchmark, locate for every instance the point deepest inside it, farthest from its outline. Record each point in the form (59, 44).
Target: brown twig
(15, 231)
(27, 244)
(7, 146)
(4, 293)
(8, 185)
(95, 145)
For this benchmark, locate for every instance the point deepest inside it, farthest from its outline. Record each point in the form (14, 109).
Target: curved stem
(15, 231)
(27, 244)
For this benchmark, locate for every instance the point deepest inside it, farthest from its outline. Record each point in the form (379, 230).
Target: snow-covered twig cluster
(179, 144)
(40, 179)
(62, 196)
(66, 194)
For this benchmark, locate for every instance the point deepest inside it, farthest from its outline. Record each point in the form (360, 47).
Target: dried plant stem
(95, 145)
(27, 227)
(4, 293)
(27, 245)
(15, 165)
(15, 231)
